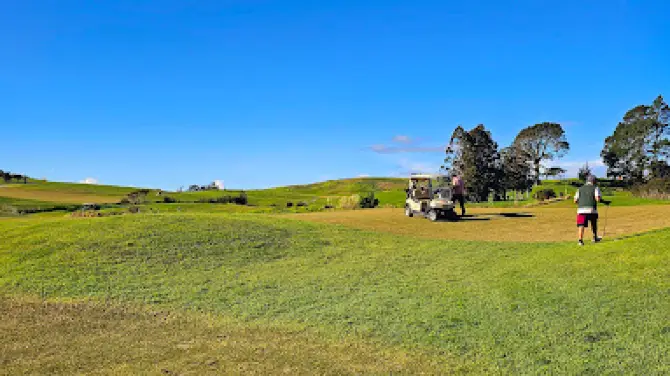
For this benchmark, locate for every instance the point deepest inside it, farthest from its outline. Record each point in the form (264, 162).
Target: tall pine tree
(474, 155)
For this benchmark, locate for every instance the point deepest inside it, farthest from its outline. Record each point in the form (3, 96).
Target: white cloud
(89, 181)
(597, 167)
(383, 149)
(406, 167)
(378, 148)
(364, 176)
(402, 139)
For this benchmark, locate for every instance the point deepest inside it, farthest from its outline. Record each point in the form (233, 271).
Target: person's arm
(576, 196)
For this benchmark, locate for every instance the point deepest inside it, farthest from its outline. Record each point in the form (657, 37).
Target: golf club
(605, 225)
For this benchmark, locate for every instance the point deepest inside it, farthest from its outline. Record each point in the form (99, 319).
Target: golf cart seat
(421, 195)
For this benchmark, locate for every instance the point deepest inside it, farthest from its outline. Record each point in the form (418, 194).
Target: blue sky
(265, 93)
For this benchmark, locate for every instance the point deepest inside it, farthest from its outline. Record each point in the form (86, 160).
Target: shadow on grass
(516, 215)
(470, 217)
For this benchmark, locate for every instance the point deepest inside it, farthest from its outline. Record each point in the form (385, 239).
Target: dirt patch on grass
(85, 337)
(57, 196)
(522, 225)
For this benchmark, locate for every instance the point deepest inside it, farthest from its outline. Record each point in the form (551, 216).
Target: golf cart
(430, 196)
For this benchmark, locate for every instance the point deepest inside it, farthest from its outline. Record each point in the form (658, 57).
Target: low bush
(545, 194)
(655, 188)
(368, 201)
(239, 200)
(169, 200)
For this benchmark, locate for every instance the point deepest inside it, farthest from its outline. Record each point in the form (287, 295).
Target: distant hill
(43, 195)
(347, 186)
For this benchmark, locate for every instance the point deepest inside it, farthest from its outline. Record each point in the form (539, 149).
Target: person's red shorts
(584, 219)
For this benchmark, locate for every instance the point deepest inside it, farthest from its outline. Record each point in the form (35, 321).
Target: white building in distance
(219, 184)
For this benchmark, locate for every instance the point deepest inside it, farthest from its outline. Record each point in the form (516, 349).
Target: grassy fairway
(500, 224)
(485, 307)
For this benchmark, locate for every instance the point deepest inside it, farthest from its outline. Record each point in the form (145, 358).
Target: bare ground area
(509, 224)
(81, 337)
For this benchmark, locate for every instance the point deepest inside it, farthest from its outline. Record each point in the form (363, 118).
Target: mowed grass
(501, 224)
(480, 307)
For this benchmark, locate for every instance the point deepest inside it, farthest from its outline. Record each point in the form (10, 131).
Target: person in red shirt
(458, 191)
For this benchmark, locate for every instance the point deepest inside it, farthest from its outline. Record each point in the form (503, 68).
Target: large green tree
(539, 143)
(640, 144)
(516, 172)
(474, 155)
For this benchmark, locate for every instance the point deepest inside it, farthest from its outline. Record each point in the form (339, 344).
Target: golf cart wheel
(408, 211)
(433, 216)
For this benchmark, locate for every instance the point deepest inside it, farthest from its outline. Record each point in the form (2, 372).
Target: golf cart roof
(425, 176)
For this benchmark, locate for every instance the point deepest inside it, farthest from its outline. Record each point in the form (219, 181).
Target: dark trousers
(461, 200)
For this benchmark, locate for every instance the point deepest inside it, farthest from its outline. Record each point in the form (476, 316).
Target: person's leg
(581, 223)
(594, 227)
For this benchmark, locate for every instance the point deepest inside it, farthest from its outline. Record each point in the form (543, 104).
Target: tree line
(475, 155)
(637, 152)
(9, 177)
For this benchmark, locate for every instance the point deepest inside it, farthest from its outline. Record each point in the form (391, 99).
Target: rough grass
(501, 224)
(57, 194)
(346, 187)
(89, 337)
(25, 203)
(487, 307)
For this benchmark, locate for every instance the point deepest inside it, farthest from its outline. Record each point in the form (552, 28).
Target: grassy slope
(488, 307)
(49, 194)
(389, 191)
(317, 193)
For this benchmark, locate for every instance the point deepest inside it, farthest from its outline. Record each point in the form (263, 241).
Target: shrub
(169, 200)
(242, 199)
(658, 188)
(545, 194)
(239, 200)
(137, 197)
(301, 203)
(368, 201)
(289, 204)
